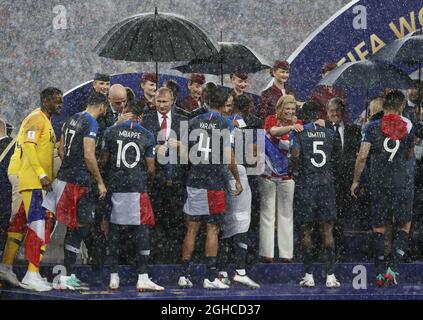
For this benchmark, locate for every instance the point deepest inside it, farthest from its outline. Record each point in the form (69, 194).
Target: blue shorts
(314, 203)
(209, 219)
(390, 204)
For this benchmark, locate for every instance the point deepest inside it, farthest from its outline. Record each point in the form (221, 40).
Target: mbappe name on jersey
(129, 134)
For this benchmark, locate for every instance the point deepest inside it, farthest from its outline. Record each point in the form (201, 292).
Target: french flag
(276, 160)
(38, 232)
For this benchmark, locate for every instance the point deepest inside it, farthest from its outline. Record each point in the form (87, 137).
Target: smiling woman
(276, 186)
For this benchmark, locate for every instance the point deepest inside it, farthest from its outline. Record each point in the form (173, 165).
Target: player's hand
(173, 143)
(236, 124)
(238, 189)
(354, 189)
(161, 149)
(46, 184)
(104, 226)
(102, 191)
(320, 123)
(297, 127)
(126, 116)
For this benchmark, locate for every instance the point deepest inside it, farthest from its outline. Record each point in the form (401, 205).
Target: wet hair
(164, 90)
(393, 100)
(310, 111)
(49, 93)
(96, 99)
(208, 90)
(172, 85)
(135, 108)
(218, 98)
(242, 102)
(338, 102)
(130, 94)
(285, 100)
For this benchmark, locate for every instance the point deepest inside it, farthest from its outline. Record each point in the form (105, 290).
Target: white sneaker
(332, 282)
(44, 279)
(114, 281)
(224, 278)
(33, 282)
(216, 284)
(246, 280)
(145, 284)
(7, 274)
(70, 283)
(184, 282)
(307, 281)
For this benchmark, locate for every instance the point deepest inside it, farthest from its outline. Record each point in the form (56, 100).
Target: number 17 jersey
(128, 144)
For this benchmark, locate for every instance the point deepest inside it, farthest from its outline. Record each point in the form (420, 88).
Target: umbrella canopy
(367, 75)
(408, 50)
(156, 37)
(232, 57)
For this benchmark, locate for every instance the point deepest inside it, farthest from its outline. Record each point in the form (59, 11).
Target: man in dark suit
(168, 187)
(345, 150)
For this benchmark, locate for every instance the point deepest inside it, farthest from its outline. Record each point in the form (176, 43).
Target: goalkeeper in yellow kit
(36, 143)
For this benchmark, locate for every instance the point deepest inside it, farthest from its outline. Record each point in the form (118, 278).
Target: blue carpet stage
(279, 282)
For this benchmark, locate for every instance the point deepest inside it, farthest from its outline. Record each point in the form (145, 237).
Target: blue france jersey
(207, 163)
(315, 145)
(128, 145)
(75, 129)
(388, 157)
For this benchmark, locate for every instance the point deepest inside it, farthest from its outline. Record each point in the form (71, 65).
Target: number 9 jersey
(128, 144)
(388, 157)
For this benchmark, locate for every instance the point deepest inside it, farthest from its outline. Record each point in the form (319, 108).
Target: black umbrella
(156, 37)
(367, 75)
(408, 50)
(232, 57)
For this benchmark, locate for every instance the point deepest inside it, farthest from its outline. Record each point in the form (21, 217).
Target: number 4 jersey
(128, 144)
(75, 129)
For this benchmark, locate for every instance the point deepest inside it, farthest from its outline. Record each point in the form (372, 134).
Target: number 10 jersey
(128, 145)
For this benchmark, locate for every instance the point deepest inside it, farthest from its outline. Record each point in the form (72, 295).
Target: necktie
(163, 126)
(338, 142)
(115, 116)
